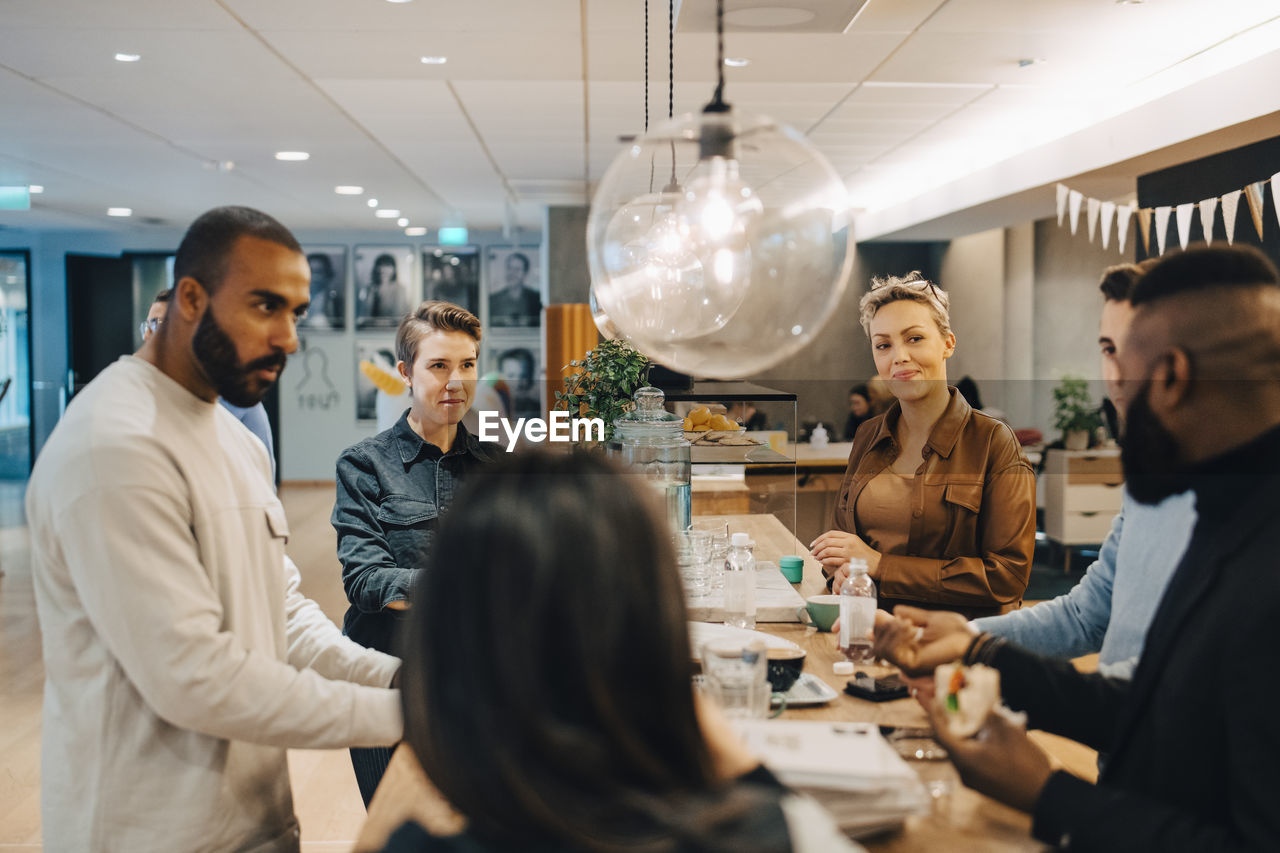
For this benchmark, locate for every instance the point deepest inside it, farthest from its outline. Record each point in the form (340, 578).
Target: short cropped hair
(433, 316)
(163, 296)
(912, 287)
(206, 247)
(1204, 268)
(522, 258)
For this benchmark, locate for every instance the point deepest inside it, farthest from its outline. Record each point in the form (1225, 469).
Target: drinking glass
(693, 555)
(735, 676)
(718, 530)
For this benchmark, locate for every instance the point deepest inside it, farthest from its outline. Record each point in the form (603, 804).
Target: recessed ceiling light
(345, 190)
(1034, 60)
(128, 57)
(434, 60)
(399, 1)
(35, 189)
(415, 231)
(388, 213)
(292, 155)
(736, 62)
(402, 221)
(119, 211)
(373, 202)
(1130, 2)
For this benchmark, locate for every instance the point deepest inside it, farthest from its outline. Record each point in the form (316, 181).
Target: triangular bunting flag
(1062, 202)
(1093, 206)
(1185, 212)
(1207, 207)
(1275, 194)
(1074, 197)
(1163, 212)
(1144, 226)
(1108, 214)
(1122, 224)
(1230, 202)
(1253, 192)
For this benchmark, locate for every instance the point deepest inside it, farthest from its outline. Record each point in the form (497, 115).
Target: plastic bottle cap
(740, 540)
(842, 667)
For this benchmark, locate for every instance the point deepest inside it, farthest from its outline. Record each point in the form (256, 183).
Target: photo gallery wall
(501, 285)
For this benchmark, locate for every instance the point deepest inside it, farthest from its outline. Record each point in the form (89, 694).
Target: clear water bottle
(740, 583)
(857, 612)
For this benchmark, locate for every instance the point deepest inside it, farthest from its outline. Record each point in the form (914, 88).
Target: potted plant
(605, 380)
(1074, 413)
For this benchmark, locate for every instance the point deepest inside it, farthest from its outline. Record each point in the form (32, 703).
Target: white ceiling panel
(398, 55)
(917, 93)
(67, 15)
(536, 17)
(896, 16)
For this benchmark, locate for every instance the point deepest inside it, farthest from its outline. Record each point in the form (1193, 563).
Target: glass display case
(748, 471)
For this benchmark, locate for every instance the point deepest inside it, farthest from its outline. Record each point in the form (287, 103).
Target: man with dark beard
(181, 660)
(1193, 738)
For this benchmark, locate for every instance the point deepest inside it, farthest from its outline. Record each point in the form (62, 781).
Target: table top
(961, 820)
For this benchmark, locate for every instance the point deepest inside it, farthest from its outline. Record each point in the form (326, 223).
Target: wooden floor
(324, 788)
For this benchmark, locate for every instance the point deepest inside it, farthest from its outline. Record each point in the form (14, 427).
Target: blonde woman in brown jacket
(937, 497)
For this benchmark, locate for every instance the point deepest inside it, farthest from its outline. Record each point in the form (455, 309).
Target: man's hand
(1000, 761)
(917, 641)
(835, 548)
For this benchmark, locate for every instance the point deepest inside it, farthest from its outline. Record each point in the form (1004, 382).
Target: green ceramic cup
(820, 611)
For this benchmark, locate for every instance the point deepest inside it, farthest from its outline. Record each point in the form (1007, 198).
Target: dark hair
(546, 681)
(860, 389)
(1117, 282)
(522, 257)
(520, 354)
(324, 262)
(1204, 268)
(383, 260)
(432, 316)
(968, 389)
(208, 243)
(163, 296)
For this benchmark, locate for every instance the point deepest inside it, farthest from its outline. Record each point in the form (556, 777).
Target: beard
(215, 352)
(1149, 454)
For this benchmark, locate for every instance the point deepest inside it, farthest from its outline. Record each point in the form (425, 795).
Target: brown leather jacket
(973, 512)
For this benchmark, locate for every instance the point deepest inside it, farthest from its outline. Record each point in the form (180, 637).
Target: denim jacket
(392, 488)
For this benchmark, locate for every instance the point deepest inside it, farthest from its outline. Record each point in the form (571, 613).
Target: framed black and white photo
(328, 311)
(514, 286)
(452, 274)
(514, 369)
(386, 288)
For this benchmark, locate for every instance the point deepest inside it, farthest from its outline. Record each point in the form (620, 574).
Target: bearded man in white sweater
(181, 659)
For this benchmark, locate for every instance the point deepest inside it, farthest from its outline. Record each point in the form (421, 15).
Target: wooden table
(961, 820)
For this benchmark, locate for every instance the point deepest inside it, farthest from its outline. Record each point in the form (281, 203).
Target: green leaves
(604, 382)
(1073, 410)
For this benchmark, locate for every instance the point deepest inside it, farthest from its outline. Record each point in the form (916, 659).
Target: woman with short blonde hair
(937, 498)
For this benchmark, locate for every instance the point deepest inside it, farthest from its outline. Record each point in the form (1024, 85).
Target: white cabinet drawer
(1079, 528)
(1091, 498)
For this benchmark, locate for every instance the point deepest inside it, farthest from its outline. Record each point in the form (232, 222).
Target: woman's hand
(835, 548)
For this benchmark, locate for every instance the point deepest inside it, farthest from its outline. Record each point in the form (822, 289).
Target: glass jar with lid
(650, 441)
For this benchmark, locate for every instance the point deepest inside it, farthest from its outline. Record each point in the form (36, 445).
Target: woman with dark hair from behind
(549, 697)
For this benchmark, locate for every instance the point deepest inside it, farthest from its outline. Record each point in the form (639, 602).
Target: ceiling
(928, 109)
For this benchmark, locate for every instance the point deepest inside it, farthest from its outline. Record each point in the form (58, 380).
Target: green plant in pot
(1074, 413)
(605, 380)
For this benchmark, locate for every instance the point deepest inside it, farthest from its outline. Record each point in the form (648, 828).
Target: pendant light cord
(717, 104)
(671, 58)
(646, 66)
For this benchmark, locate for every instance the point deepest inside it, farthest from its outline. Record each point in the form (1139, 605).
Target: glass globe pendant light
(740, 259)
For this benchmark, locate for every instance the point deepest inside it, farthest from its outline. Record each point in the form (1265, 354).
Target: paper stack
(848, 767)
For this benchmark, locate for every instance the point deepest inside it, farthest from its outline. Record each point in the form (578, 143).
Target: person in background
(937, 498)
(749, 417)
(548, 696)
(517, 367)
(859, 410)
(1110, 609)
(879, 395)
(1192, 737)
(181, 661)
(393, 487)
(253, 417)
